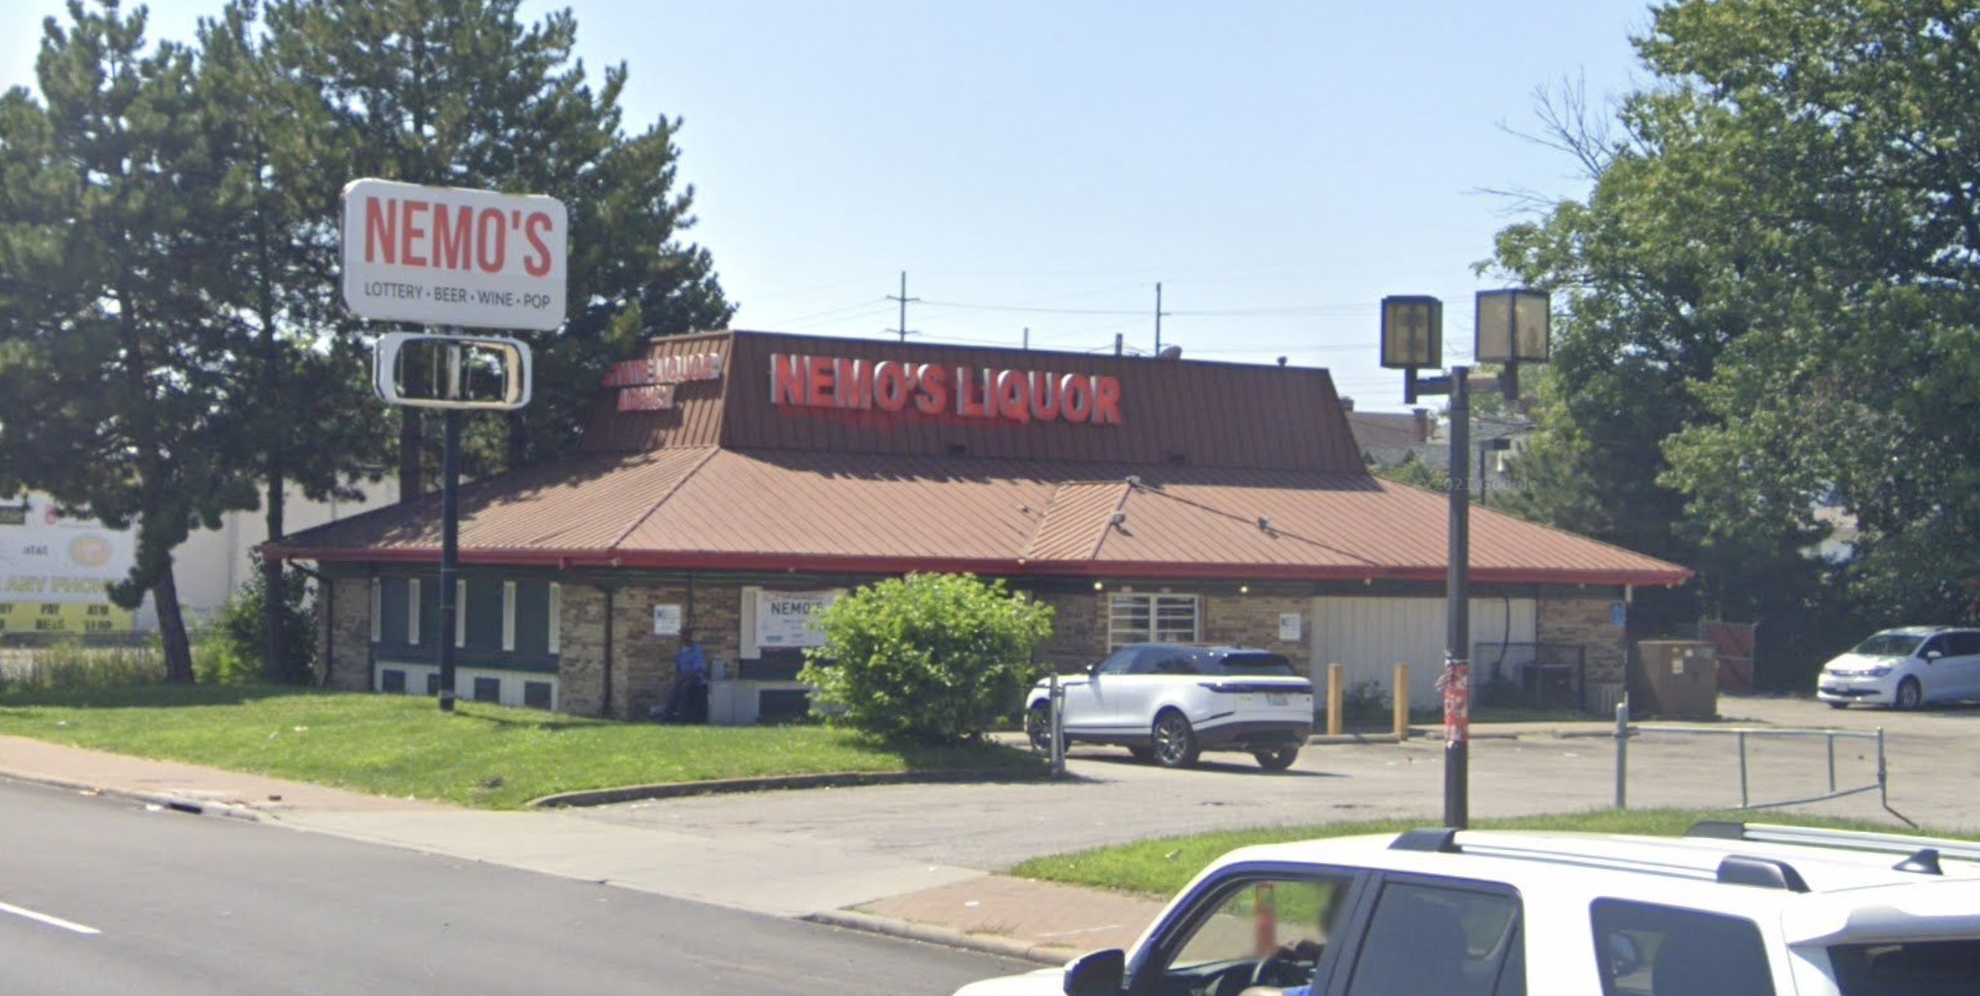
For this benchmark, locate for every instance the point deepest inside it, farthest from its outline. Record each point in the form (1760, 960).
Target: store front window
(1153, 618)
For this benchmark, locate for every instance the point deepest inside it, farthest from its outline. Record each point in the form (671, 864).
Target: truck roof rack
(1915, 848)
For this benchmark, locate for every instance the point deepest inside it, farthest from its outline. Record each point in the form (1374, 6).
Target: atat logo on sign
(447, 256)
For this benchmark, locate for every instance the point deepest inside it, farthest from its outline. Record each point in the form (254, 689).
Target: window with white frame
(1133, 617)
(377, 610)
(412, 611)
(556, 617)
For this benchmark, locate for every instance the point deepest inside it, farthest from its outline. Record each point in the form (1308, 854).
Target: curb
(1042, 954)
(177, 804)
(842, 779)
(1328, 739)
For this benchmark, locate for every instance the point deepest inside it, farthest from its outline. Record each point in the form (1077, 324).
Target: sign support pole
(450, 553)
(1457, 665)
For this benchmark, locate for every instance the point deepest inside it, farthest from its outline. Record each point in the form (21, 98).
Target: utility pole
(1027, 337)
(1158, 318)
(902, 297)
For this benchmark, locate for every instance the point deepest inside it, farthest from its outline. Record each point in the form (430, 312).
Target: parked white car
(1729, 910)
(1169, 702)
(1905, 668)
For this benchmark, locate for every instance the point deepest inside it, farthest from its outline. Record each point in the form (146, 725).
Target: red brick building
(732, 480)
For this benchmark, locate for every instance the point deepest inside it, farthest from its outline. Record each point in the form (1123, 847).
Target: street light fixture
(1512, 328)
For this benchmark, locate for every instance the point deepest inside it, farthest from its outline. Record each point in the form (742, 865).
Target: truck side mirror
(1097, 973)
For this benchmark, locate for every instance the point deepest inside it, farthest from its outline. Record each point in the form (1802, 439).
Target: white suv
(1170, 702)
(1729, 910)
(1905, 668)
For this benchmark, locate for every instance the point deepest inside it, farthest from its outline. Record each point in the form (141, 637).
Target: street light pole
(1456, 680)
(1511, 328)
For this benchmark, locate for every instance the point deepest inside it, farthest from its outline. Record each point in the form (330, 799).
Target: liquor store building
(732, 482)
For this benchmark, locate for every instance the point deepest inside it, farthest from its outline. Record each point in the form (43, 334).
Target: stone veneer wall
(642, 664)
(581, 649)
(1079, 625)
(344, 634)
(1585, 621)
(1079, 629)
(1253, 621)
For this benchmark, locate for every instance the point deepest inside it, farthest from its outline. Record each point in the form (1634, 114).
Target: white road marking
(52, 921)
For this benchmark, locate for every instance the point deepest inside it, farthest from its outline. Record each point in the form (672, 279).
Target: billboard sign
(55, 569)
(448, 256)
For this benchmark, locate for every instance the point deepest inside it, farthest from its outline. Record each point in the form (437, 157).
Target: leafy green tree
(1416, 473)
(1767, 301)
(464, 93)
(312, 425)
(929, 658)
(115, 368)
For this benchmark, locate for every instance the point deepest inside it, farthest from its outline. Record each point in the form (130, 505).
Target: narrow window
(508, 615)
(412, 612)
(556, 615)
(377, 610)
(460, 613)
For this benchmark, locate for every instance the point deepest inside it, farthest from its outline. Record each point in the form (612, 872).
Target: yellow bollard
(1402, 701)
(1335, 694)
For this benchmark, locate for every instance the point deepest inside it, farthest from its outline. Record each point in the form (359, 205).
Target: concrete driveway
(1113, 799)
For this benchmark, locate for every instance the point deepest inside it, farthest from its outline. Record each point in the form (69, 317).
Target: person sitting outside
(689, 701)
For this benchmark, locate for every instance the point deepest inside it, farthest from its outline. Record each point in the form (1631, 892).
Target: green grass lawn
(1163, 866)
(480, 755)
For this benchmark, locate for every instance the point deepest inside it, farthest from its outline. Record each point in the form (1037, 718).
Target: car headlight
(1878, 672)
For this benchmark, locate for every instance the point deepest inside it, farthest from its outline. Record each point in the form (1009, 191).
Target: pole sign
(448, 256)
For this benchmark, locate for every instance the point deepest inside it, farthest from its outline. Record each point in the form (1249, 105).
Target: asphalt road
(99, 895)
(1113, 799)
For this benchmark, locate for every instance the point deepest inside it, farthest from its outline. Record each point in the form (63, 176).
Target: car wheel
(1174, 740)
(1909, 694)
(1142, 753)
(1276, 760)
(1838, 705)
(1038, 726)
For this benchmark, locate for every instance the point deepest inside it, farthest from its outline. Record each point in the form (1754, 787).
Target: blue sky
(1282, 164)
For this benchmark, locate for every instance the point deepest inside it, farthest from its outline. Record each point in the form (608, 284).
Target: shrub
(238, 645)
(74, 666)
(929, 658)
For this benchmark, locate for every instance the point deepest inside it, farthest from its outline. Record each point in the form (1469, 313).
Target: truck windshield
(1257, 664)
(1888, 645)
(1911, 968)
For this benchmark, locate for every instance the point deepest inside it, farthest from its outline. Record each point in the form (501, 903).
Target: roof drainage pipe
(606, 709)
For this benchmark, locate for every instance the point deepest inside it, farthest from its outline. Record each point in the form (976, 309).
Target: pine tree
(463, 93)
(106, 338)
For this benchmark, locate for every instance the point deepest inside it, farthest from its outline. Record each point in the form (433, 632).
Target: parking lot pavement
(1113, 799)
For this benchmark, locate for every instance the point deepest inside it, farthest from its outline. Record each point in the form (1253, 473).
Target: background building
(735, 481)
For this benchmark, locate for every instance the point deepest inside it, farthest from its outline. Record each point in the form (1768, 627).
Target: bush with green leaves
(929, 658)
(237, 644)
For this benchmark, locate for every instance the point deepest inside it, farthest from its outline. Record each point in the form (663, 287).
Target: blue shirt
(690, 662)
(1299, 991)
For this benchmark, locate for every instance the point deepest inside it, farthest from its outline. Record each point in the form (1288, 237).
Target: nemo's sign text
(934, 389)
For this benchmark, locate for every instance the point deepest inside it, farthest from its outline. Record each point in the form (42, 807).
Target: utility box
(1675, 678)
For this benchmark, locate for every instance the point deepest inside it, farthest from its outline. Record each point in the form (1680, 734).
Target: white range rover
(1730, 909)
(1169, 702)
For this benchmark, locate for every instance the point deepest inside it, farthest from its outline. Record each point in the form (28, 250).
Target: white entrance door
(1370, 635)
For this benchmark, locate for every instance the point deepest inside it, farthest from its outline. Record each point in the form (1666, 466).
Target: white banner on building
(54, 570)
(785, 619)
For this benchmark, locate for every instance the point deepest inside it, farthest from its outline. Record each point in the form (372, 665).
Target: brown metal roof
(1173, 411)
(765, 509)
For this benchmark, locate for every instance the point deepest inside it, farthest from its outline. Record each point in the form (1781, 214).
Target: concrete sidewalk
(761, 873)
(915, 859)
